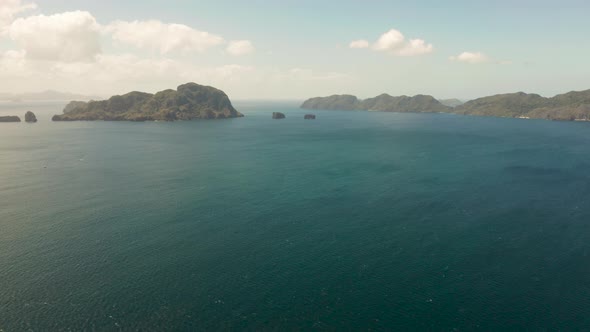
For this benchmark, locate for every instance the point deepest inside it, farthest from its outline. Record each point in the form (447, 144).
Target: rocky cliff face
(190, 101)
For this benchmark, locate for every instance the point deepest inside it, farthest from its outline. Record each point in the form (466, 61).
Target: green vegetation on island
(190, 101)
(387, 103)
(335, 102)
(572, 106)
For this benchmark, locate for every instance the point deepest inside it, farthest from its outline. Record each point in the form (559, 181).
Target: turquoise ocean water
(354, 221)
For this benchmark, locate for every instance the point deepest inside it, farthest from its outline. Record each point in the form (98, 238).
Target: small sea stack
(10, 118)
(309, 116)
(30, 117)
(278, 115)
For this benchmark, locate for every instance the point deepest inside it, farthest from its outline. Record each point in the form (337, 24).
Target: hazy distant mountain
(571, 106)
(382, 103)
(189, 101)
(48, 95)
(451, 102)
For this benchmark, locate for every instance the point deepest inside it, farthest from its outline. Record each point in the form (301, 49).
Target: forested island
(190, 101)
(571, 106)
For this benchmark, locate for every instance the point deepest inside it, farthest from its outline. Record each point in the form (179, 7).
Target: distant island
(9, 118)
(30, 117)
(572, 106)
(48, 95)
(451, 102)
(190, 101)
(278, 115)
(381, 103)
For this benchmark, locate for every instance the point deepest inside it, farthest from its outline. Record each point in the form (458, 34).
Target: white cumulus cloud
(391, 40)
(8, 11)
(471, 58)
(68, 37)
(361, 43)
(163, 37)
(129, 68)
(112, 73)
(64, 51)
(415, 47)
(240, 47)
(119, 73)
(394, 42)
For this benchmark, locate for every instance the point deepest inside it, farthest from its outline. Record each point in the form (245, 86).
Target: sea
(355, 221)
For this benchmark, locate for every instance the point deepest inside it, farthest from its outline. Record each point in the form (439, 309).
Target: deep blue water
(354, 221)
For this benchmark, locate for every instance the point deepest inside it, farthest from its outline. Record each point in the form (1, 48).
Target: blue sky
(299, 49)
